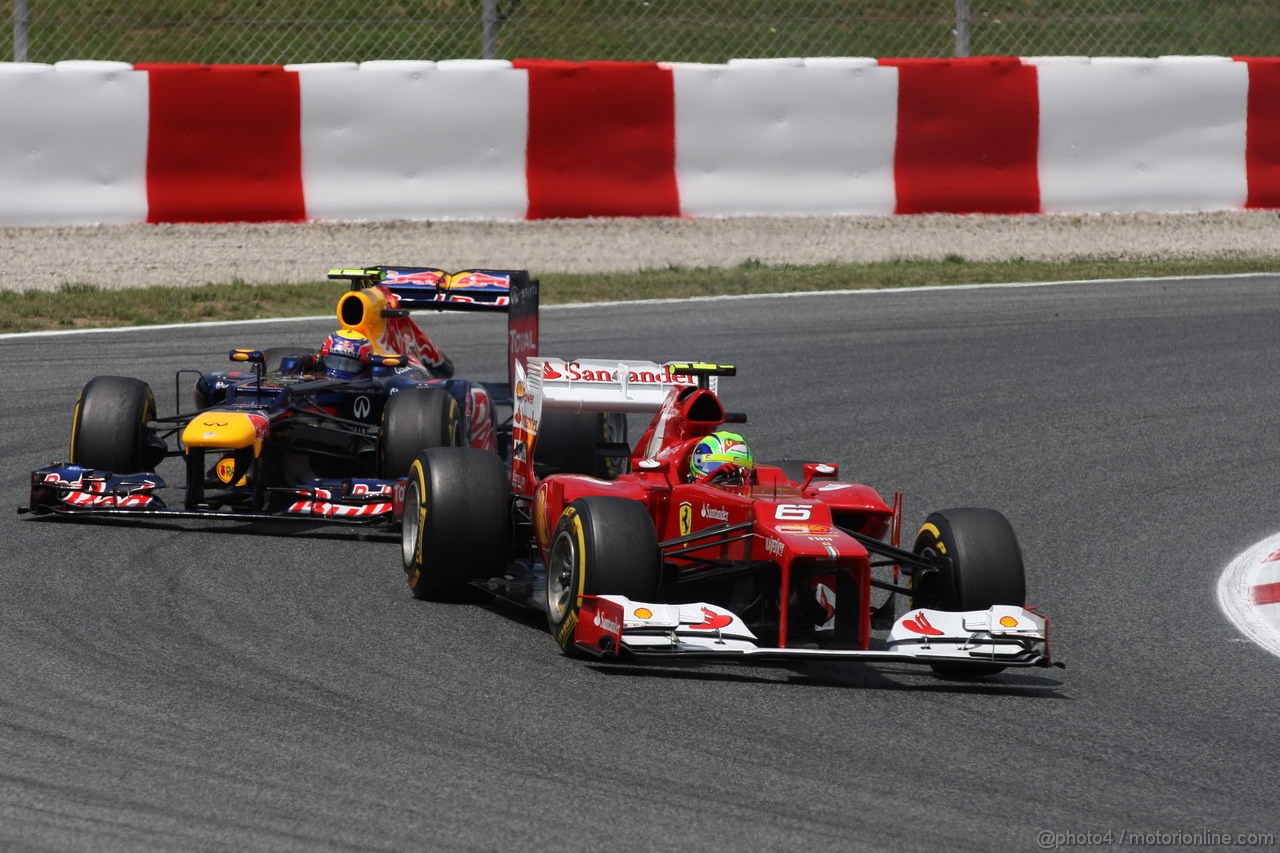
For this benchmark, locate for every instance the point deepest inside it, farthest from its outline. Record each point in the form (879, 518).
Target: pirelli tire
(567, 443)
(985, 569)
(109, 428)
(456, 523)
(413, 421)
(601, 545)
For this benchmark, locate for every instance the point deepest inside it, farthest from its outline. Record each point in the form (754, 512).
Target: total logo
(521, 340)
(715, 512)
(650, 374)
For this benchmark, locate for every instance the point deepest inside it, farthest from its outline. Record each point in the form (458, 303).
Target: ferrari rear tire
(456, 524)
(109, 426)
(413, 421)
(601, 546)
(567, 443)
(986, 569)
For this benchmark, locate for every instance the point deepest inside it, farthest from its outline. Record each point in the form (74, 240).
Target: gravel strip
(143, 255)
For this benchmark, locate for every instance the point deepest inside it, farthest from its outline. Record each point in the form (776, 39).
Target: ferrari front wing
(613, 625)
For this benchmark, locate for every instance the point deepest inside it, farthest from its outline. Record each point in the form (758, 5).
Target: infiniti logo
(361, 407)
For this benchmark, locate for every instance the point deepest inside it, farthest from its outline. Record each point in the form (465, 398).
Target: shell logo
(1008, 622)
(644, 613)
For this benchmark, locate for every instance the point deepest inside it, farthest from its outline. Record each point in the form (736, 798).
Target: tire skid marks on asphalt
(1249, 593)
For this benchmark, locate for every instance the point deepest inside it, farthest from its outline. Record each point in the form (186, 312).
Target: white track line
(866, 291)
(1259, 622)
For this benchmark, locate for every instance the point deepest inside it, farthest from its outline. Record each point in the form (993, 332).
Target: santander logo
(635, 373)
(613, 626)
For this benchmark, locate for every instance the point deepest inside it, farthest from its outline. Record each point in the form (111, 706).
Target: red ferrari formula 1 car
(699, 553)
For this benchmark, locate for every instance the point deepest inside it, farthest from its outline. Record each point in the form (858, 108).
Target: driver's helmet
(345, 354)
(716, 449)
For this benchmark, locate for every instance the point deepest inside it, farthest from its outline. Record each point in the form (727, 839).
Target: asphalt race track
(220, 688)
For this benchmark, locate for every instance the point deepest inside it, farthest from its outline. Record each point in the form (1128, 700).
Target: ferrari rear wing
(610, 385)
(593, 385)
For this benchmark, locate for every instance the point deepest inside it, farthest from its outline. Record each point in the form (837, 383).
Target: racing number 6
(792, 512)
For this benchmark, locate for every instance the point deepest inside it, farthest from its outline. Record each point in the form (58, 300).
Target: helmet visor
(342, 365)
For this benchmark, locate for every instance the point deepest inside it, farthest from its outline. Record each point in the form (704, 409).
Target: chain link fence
(292, 31)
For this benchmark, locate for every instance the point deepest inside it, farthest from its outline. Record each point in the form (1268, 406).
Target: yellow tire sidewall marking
(937, 537)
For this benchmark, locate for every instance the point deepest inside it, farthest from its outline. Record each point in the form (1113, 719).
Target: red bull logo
(478, 279)
(422, 277)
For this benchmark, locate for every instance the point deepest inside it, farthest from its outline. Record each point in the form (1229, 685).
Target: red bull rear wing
(432, 289)
(512, 292)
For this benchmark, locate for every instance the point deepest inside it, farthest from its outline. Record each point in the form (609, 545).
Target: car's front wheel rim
(411, 530)
(560, 576)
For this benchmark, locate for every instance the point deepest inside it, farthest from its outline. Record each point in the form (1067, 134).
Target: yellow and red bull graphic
(226, 430)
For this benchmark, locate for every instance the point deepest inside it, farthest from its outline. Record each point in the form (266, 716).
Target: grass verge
(86, 306)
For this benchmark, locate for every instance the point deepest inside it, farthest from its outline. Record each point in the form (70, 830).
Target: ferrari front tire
(414, 420)
(455, 526)
(601, 546)
(986, 569)
(109, 425)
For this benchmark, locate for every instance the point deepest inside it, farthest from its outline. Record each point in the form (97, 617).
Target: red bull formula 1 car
(291, 434)
(749, 562)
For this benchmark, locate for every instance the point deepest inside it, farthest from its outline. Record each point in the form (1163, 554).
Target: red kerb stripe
(602, 140)
(968, 136)
(225, 144)
(1262, 135)
(1267, 593)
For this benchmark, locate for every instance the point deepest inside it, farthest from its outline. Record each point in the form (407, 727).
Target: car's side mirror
(819, 471)
(390, 360)
(252, 356)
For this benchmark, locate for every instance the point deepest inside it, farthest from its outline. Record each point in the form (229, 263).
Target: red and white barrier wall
(100, 142)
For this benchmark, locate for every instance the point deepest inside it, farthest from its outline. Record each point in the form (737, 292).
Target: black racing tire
(456, 526)
(273, 357)
(567, 443)
(986, 569)
(109, 426)
(601, 546)
(414, 420)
